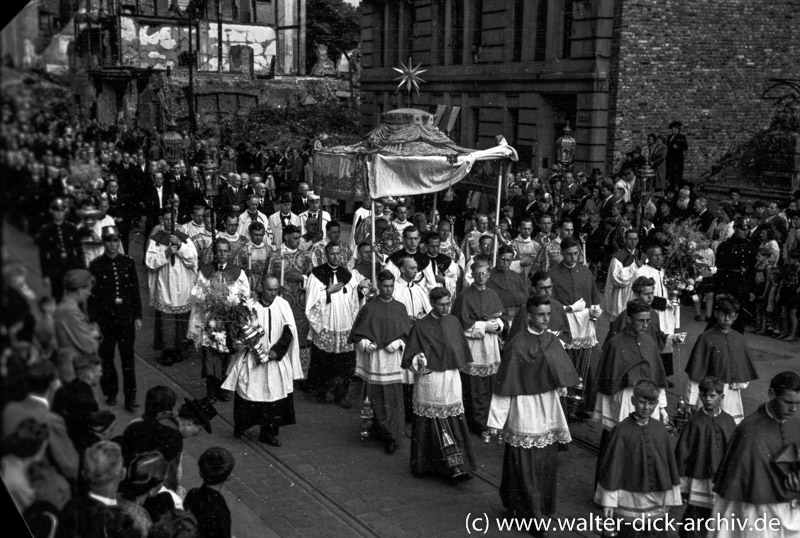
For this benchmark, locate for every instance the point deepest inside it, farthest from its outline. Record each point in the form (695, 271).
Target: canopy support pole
(374, 241)
(433, 213)
(497, 211)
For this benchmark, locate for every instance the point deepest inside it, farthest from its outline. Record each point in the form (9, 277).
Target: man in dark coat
(676, 147)
(59, 248)
(116, 306)
(735, 266)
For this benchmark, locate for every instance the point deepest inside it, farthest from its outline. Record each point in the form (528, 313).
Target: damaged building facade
(127, 50)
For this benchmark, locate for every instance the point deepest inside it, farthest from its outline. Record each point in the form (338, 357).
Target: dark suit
(115, 304)
(60, 448)
(75, 402)
(211, 511)
(122, 208)
(229, 198)
(298, 205)
(151, 207)
(705, 220)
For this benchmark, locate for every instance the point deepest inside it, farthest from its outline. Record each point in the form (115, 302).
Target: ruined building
(127, 50)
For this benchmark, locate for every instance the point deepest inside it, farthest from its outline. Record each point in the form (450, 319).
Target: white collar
(105, 500)
(534, 332)
(519, 239)
(40, 399)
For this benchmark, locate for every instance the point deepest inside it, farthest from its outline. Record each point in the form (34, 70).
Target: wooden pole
(374, 242)
(433, 212)
(500, 176)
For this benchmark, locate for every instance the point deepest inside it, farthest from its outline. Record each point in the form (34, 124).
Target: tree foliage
(334, 23)
(294, 123)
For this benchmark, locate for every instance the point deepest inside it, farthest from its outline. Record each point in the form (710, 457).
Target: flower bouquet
(682, 268)
(223, 313)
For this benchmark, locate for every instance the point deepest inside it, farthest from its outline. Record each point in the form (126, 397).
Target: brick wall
(702, 62)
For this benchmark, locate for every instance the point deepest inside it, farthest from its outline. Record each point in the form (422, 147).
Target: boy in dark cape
(638, 474)
(480, 311)
(722, 352)
(749, 482)
(379, 331)
(435, 351)
(699, 452)
(533, 374)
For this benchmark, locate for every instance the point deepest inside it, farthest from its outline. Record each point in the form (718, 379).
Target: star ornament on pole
(409, 76)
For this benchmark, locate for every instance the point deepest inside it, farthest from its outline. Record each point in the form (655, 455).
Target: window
(439, 27)
(457, 25)
(45, 26)
(265, 12)
(516, 40)
(477, 30)
(540, 47)
(566, 47)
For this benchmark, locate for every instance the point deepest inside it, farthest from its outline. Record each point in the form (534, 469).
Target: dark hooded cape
(638, 458)
(626, 359)
(474, 305)
(726, 356)
(442, 341)
(381, 323)
(746, 474)
(702, 444)
(653, 328)
(558, 321)
(509, 286)
(534, 364)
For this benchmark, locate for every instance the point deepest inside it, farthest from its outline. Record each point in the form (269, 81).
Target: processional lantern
(566, 147)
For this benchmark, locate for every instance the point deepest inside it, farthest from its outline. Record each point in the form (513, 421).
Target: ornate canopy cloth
(404, 155)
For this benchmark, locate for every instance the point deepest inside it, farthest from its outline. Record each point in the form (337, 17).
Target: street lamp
(566, 148)
(565, 145)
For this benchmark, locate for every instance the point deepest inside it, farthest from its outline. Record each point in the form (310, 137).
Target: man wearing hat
(282, 218)
(195, 415)
(59, 248)
(116, 306)
(735, 258)
(676, 147)
(314, 211)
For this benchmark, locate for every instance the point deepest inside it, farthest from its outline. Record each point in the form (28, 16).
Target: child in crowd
(206, 503)
(638, 474)
(759, 291)
(788, 294)
(699, 452)
(722, 352)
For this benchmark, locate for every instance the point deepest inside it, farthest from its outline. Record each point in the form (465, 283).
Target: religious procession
(487, 338)
(212, 332)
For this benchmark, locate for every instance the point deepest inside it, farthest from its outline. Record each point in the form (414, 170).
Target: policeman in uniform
(116, 306)
(734, 268)
(59, 248)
